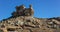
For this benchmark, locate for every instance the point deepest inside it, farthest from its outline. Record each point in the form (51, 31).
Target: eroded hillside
(22, 20)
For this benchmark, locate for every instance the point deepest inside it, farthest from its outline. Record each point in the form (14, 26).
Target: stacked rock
(22, 11)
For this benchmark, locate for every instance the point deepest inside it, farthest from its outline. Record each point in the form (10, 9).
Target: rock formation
(22, 20)
(22, 11)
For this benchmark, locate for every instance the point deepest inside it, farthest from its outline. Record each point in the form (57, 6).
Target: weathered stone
(22, 20)
(22, 11)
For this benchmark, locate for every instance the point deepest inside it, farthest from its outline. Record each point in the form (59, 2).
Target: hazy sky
(42, 8)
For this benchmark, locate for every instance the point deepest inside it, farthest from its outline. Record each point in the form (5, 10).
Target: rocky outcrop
(22, 20)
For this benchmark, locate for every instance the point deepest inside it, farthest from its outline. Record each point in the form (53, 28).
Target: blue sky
(42, 8)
